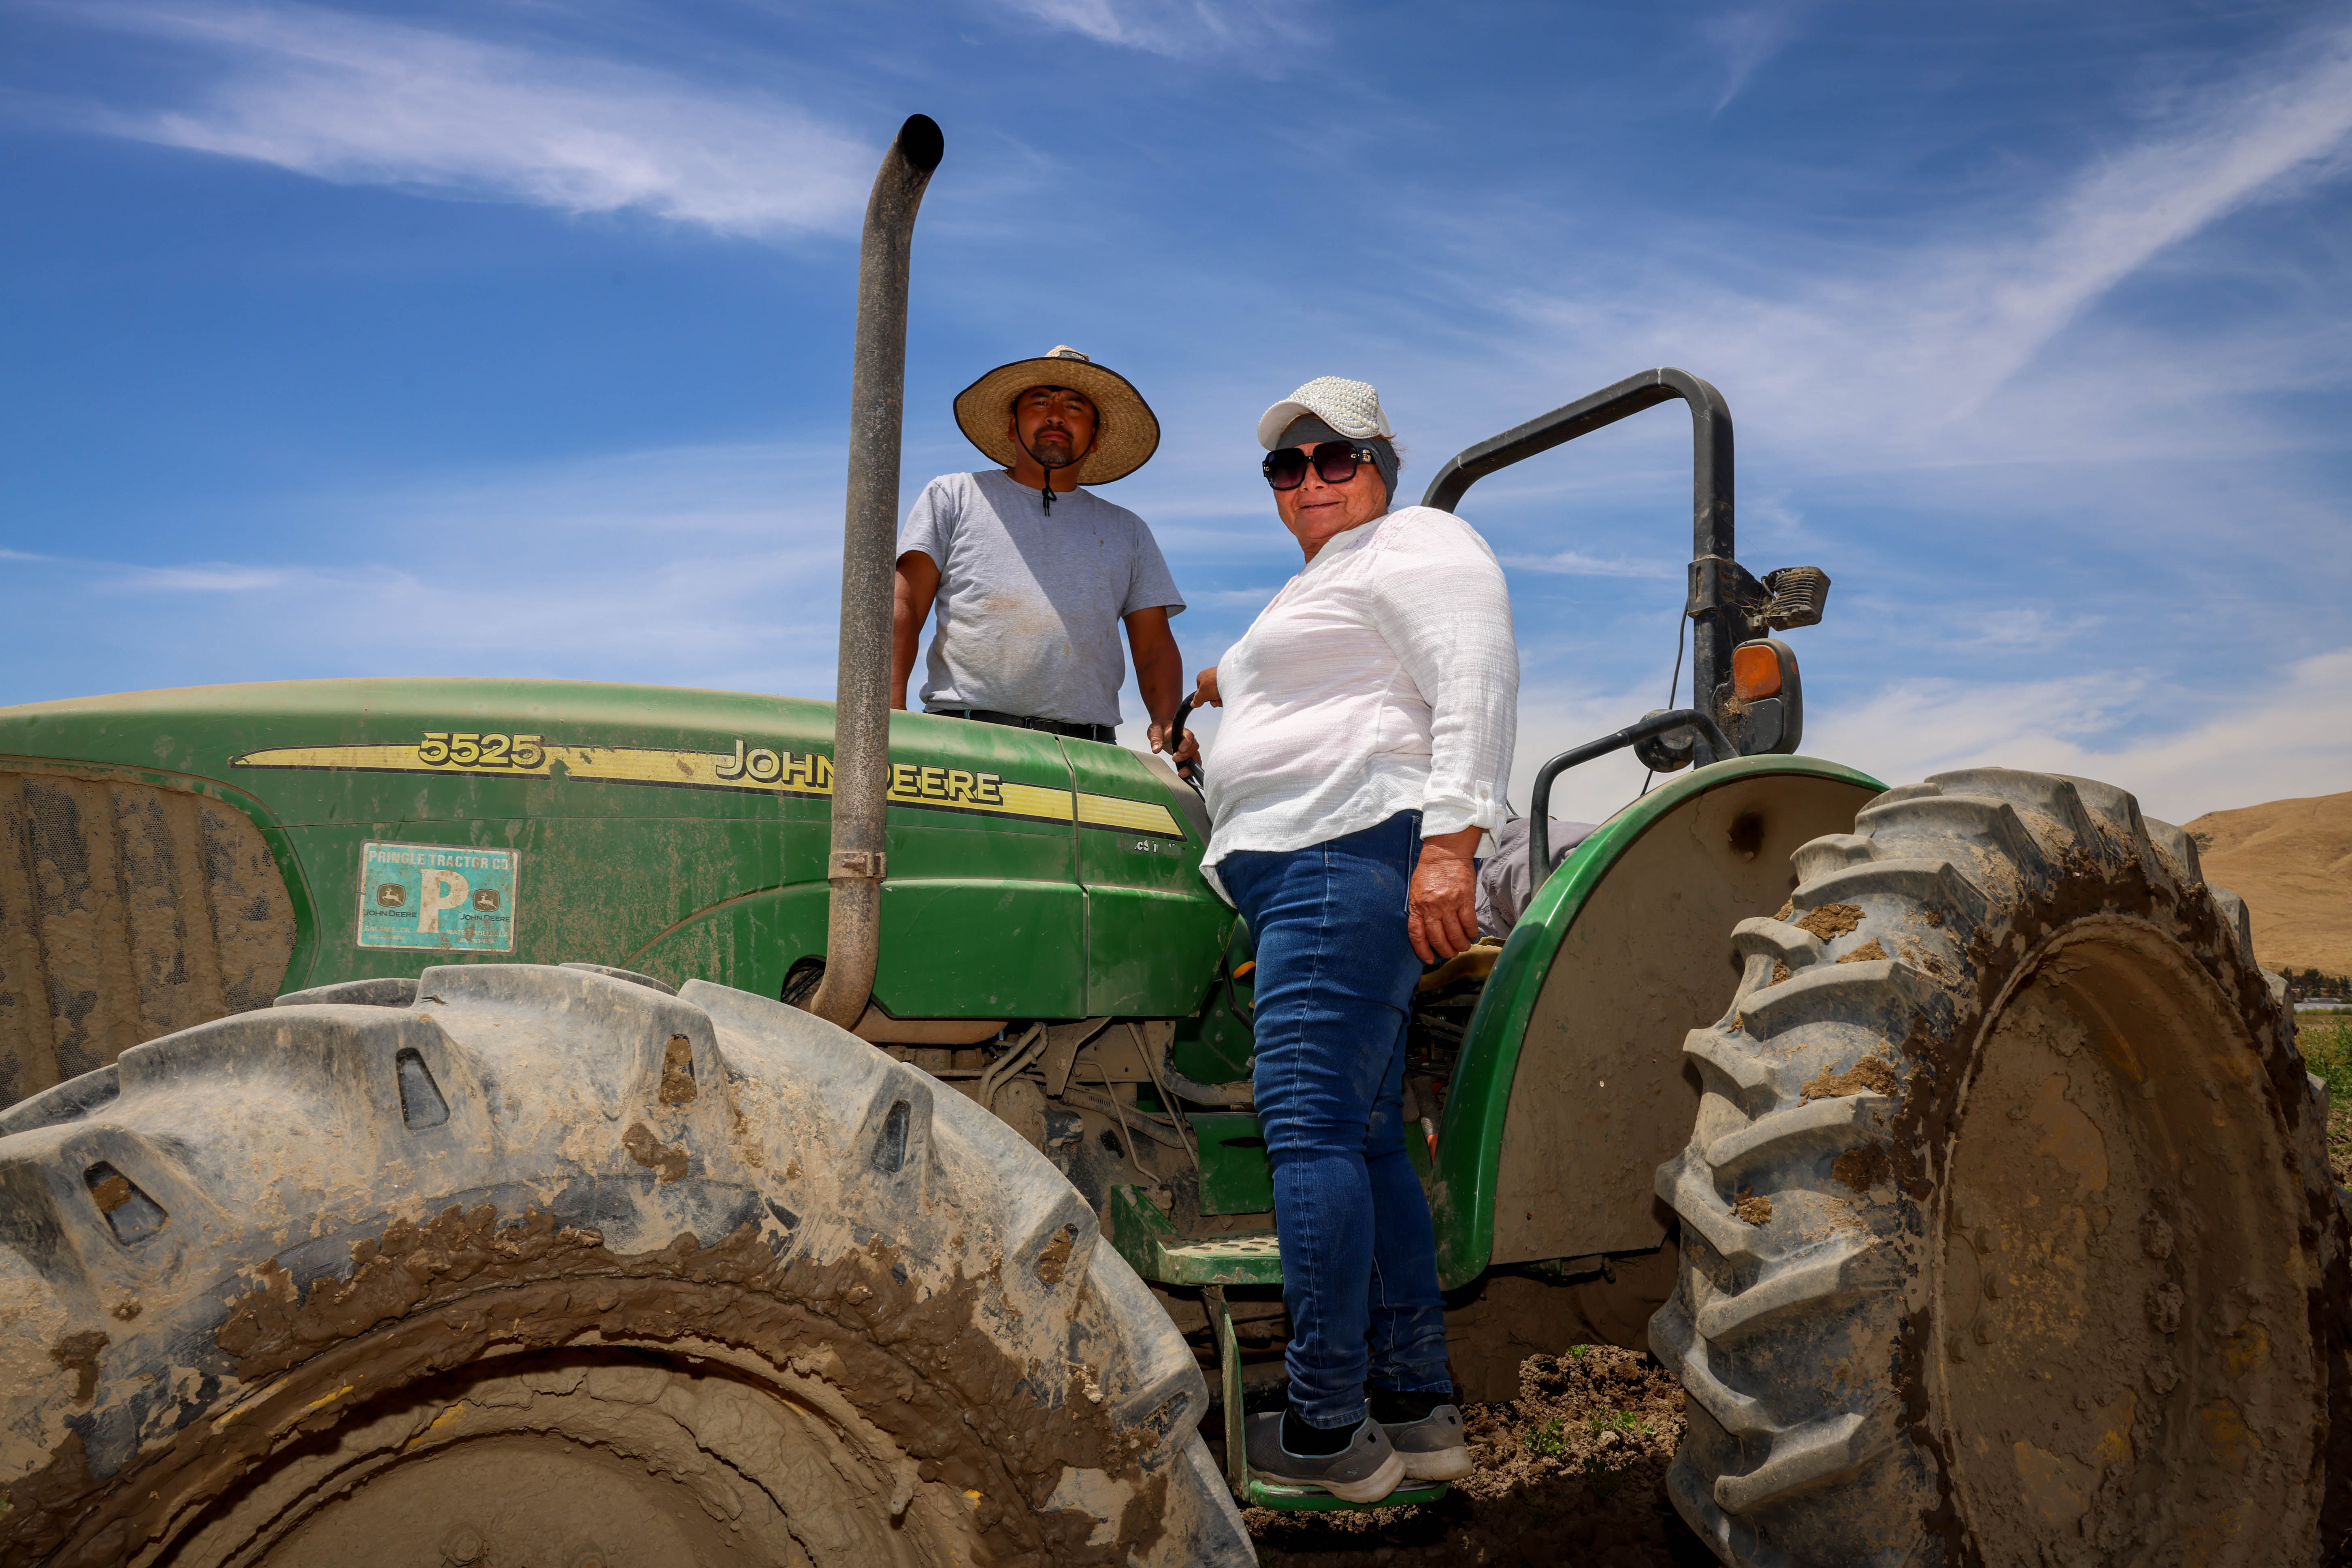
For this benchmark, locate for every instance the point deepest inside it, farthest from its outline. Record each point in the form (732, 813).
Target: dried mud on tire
(1573, 1470)
(536, 1264)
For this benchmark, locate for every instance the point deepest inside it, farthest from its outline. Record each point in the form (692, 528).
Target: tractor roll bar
(1539, 860)
(861, 717)
(1720, 624)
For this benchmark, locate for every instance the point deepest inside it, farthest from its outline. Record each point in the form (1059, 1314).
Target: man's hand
(1444, 896)
(1189, 751)
(1205, 686)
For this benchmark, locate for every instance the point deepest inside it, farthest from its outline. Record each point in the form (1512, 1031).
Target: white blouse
(1383, 678)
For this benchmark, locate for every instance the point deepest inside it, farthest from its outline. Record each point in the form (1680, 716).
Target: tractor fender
(1571, 1088)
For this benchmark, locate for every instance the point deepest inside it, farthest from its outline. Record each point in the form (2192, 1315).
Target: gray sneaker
(1366, 1470)
(1434, 1448)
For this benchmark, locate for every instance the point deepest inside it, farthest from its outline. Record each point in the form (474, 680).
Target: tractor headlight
(1800, 594)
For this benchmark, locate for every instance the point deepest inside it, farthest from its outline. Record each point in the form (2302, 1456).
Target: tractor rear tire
(2008, 1235)
(550, 1267)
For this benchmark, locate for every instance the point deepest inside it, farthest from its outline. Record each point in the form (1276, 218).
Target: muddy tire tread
(1782, 1465)
(274, 1138)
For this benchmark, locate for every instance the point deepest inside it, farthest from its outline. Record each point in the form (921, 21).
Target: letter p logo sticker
(443, 891)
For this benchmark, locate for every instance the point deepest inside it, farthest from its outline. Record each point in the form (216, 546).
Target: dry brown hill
(2291, 860)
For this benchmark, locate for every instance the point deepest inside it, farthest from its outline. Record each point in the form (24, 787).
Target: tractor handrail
(1541, 863)
(1711, 464)
(1189, 772)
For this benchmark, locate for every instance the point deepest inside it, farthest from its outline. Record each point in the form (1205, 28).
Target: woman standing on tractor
(1370, 711)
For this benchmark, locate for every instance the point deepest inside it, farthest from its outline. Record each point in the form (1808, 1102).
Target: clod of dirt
(1872, 1075)
(1831, 920)
(78, 1353)
(126, 1311)
(678, 1071)
(1572, 1471)
(652, 1154)
(1785, 911)
(1755, 1210)
(1865, 953)
(1918, 958)
(1780, 971)
(111, 1194)
(1864, 1168)
(1054, 1260)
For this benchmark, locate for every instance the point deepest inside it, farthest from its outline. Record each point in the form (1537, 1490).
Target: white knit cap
(1350, 407)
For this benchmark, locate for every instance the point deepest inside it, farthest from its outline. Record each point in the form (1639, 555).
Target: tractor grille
(126, 912)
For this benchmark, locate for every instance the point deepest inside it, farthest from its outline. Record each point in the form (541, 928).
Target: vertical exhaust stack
(861, 733)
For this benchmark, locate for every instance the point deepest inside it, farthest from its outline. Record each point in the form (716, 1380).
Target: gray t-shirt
(1030, 605)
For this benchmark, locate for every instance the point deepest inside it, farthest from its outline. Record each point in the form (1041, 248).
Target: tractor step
(1309, 1500)
(1249, 1490)
(1149, 1242)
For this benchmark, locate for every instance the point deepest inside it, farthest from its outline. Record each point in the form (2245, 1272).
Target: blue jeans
(1335, 979)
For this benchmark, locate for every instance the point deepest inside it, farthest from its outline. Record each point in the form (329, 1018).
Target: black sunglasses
(1336, 461)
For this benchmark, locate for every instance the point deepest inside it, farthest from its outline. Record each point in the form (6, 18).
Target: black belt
(1104, 733)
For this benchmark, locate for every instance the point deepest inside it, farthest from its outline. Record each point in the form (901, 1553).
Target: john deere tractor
(488, 1122)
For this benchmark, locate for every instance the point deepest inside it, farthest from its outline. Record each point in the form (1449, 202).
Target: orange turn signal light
(1755, 672)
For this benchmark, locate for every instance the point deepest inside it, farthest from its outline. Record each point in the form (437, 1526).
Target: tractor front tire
(2008, 1235)
(551, 1265)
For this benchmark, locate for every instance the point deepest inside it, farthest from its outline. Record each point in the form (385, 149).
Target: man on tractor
(1032, 575)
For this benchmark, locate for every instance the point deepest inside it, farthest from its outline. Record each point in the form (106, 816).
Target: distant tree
(2302, 985)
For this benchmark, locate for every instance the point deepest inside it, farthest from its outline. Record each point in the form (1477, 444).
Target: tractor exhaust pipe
(861, 732)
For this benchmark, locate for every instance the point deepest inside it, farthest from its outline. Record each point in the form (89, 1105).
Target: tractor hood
(680, 833)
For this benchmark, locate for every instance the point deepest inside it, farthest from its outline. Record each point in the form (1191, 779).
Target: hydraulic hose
(861, 733)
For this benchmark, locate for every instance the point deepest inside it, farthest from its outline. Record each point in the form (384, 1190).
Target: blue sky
(513, 337)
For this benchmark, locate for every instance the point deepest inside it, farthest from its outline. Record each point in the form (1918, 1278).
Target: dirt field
(2291, 860)
(1573, 1470)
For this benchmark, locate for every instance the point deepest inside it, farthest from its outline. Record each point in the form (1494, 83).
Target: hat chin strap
(1049, 468)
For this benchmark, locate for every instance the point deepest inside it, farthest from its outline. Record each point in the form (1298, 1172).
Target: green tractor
(480, 1121)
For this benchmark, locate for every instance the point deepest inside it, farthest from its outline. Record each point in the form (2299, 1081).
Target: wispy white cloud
(1911, 353)
(2291, 737)
(213, 579)
(364, 101)
(1576, 564)
(1182, 29)
(1746, 39)
(699, 566)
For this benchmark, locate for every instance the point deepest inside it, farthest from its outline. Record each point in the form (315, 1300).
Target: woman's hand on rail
(1206, 695)
(1444, 896)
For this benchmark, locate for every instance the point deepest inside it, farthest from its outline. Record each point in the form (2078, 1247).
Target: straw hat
(1127, 431)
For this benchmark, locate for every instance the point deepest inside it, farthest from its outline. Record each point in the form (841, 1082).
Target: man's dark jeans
(1335, 979)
